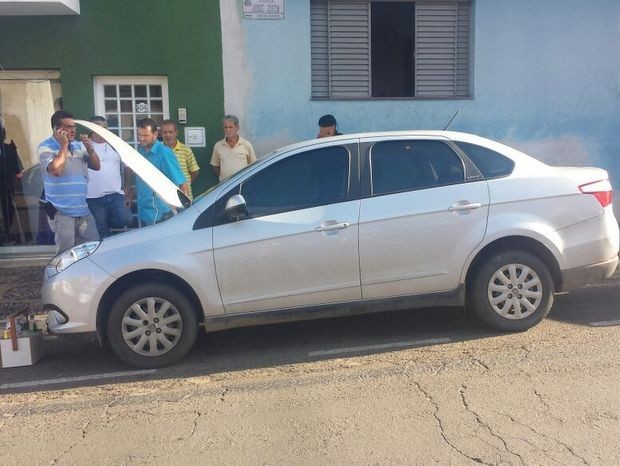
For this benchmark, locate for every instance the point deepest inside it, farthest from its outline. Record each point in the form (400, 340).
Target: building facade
(123, 60)
(543, 77)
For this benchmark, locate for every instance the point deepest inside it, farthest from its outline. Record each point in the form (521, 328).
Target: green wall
(180, 39)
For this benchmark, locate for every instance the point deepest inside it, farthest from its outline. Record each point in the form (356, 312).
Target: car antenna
(451, 120)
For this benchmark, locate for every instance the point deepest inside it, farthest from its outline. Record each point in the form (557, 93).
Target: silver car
(349, 224)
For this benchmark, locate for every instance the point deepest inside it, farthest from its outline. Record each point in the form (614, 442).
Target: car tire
(493, 300)
(152, 325)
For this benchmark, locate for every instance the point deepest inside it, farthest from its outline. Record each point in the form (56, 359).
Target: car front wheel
(512, 291)
(152, 325)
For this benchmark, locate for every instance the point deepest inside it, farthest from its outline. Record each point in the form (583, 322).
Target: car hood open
(157, 181)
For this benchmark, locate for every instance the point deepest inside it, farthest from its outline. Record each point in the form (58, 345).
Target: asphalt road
(425, 387)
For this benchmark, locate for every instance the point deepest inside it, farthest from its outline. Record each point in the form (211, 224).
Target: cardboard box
(28, 351)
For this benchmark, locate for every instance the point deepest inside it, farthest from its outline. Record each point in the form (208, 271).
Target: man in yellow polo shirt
(232, 153)
(185, 156)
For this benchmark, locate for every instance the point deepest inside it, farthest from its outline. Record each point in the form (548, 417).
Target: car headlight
(70, 256)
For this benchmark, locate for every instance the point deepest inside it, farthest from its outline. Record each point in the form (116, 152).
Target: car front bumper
(72, 297)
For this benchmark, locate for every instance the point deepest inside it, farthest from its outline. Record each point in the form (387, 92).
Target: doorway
(28, 98)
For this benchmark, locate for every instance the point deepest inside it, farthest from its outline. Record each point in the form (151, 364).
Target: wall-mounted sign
(195, 136)
(263, 9)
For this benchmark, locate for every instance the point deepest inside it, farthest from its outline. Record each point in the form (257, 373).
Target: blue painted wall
(546, 79)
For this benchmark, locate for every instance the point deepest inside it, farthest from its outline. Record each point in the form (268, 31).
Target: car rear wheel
(152, 325)
(512, 291)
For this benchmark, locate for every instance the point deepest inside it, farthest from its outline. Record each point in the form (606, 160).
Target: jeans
(71, 231)
(8, 211)
(109, 212)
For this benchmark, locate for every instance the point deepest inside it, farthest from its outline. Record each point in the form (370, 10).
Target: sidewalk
(20, 285)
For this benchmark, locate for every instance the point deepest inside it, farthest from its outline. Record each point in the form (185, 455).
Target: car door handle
(332, 226)
(460, 207)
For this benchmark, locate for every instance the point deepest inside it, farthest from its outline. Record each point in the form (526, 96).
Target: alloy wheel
(152, 326)
(515, 291)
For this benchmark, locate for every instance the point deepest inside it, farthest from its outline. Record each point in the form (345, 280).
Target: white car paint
(407, 245)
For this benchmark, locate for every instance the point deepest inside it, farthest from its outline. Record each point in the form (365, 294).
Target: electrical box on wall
(182, 115)
(196, 136)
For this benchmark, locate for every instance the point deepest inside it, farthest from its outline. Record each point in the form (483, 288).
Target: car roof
(434, 134)
(525, 161)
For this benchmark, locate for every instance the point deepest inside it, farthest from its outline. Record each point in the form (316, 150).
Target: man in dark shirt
(328, 126)
(11, 170)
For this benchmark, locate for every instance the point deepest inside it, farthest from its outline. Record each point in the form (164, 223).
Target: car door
(297, 246)
(424, 210)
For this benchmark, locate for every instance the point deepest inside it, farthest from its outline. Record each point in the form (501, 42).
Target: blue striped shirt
(66, 192)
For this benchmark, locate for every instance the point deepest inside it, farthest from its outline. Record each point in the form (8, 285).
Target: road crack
(83, 433)
(540, 397)
(106, 415)
(542, 400)
(484, 425)
(528, 352)
(481, 363)
(442, 431)
(187, 396)
(197, 415)
(195, 426)
(545, 436)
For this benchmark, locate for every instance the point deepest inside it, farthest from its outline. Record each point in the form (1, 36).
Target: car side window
(398, 166)
(301, 181)
(490, 163)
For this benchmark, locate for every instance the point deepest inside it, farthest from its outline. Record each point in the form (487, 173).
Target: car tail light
(601, 190)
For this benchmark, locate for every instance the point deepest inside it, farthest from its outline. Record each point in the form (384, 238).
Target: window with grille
(125, 100)
(383, 49)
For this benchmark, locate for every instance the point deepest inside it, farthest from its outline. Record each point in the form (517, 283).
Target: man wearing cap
(328, 126)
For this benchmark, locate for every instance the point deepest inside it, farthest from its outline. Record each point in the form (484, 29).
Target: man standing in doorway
(232, 153)
(64, 165)
(105, 198)
(151, 209)
(11, 170)
(185, 156)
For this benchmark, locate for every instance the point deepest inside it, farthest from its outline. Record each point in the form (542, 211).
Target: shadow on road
(254, 347)
(291, 343)
(588, 305)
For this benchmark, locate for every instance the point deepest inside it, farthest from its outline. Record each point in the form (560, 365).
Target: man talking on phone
(64, 165)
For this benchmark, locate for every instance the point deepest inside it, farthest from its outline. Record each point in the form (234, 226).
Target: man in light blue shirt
(151, 209)
(64, 166)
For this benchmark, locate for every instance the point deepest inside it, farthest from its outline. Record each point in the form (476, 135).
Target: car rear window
(490, 163)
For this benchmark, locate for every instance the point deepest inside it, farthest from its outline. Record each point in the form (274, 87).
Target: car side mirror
(236, 207)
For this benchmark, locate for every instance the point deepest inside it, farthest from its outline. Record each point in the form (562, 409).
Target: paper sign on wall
(263, 9)
(195, 136)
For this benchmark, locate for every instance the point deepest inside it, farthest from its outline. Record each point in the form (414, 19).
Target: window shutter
(462, 49)
(319, 49)
(340, 48)
(436, 49)
(349, 49)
